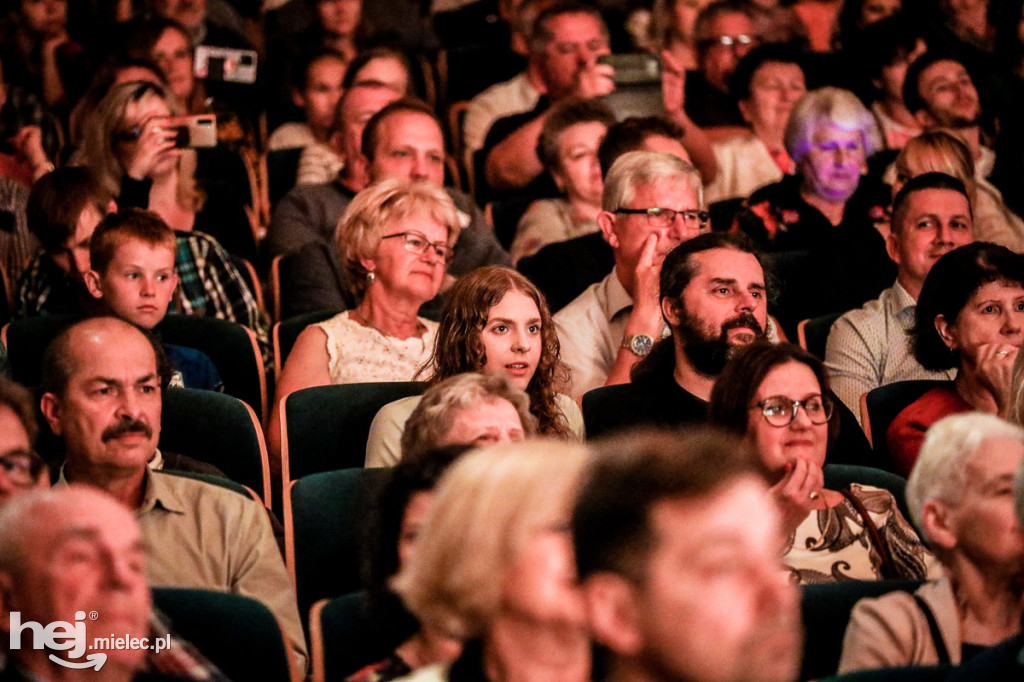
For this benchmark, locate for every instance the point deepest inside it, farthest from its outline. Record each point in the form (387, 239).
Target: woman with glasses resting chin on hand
(778, 398)
(394, 240)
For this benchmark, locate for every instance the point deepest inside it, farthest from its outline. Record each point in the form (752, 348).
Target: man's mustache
(744, 320)
(124, 427)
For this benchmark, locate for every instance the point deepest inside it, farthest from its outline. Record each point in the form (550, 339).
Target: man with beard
(939, 92)
(714, 299)
(651, 203)
(102, 386)
(677, 550)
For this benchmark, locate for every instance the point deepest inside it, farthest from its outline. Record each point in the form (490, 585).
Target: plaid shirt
(208, 284)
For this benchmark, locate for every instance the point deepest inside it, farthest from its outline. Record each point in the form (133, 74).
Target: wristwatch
(638, 344)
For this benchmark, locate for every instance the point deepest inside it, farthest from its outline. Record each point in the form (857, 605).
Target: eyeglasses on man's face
(665, 217)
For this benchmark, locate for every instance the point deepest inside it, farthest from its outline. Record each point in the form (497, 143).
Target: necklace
(365, 321)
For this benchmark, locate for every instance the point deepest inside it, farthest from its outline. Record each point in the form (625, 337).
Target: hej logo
(59, 635)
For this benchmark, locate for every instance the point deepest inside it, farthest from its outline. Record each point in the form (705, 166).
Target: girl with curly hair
(495, 320)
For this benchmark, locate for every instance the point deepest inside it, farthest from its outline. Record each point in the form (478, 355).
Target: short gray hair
(634, 169)
(829, 107)
(940, 472)
(432, 419)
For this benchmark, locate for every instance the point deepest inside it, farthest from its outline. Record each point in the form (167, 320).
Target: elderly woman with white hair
(827, 208)
(494, 566)
(961, 496)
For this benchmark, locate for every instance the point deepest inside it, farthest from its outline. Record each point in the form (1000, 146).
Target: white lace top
(357, 354)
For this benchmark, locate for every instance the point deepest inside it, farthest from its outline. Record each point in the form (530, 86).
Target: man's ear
(50, 406)
(606, 221)
(938, 524)
(298, 99)
(613, 613)
(92, 283)
(943, 328)
(892, 245)
(671, 311)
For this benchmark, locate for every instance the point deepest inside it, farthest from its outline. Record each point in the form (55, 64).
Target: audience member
(493, 566)
(203, 29)
(476, 409)
(317, 94)
(651, 203)
(870, 347)
(960, 495)
(671, 29)
(766, 84)
(380, 65)
(724, 33)
(495, 320)
(677, 549)
(21, 468)
(102, 394)
(714, 299)
(970, 316)
(394, 240)
(168, 45)
(853, 534)
(132, 272)
(825, 210)
(567, 148)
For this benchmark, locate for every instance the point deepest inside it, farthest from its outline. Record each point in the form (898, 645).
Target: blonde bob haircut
(940, 472)
(634, 169)
(486, 509)
(829, 108)
(361, 227)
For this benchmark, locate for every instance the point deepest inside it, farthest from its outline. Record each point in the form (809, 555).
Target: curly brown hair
(458, 347)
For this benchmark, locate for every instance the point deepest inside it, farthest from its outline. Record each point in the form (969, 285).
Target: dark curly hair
(458, 347)
(950, 284)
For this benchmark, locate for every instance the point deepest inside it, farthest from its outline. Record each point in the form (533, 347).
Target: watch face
(641, 344)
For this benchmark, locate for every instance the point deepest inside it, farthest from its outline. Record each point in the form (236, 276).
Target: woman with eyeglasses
(394, 241)
(777, 396)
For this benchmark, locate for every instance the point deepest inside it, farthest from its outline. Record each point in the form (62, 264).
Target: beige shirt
(545, 222)
(870, 347)
(203, 536)
(744, 165)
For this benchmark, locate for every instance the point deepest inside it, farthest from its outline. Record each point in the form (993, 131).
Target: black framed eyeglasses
(417, 243)
(22, 467)
(778, 410)
(664, 217)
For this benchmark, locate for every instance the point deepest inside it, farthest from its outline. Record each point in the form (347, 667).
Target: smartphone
(637, 81)
(225, 64)
(193, 132)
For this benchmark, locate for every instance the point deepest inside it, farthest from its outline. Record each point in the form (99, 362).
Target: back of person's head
(57, 200)
(629, 135)
(949, 286)
(772, 53)
(126, 226)
(541, 33)
(352, 72)
(564, 115)
(640, 169)
(919, 183)
(631, 474)
(371, 133)
(913, 100)
(884, 43)
(824, 108)
(430, 423)
(935, 151)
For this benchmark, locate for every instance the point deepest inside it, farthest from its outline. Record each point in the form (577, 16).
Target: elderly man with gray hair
(961, 496)
(651, 203)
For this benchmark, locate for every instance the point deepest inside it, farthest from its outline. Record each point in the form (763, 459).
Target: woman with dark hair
(495, 320)
(970, 315)
(777, 396)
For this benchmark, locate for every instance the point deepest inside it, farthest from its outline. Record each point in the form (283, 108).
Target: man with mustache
(677, 549)
(102, 383)
(870, 347)
(651, 203)
(714, 298)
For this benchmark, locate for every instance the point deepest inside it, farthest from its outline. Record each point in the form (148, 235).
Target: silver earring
(370, 277)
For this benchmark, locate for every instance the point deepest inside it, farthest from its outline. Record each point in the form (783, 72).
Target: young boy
(132, 272)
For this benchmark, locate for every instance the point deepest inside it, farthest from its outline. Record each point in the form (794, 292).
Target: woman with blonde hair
(941, 152)
(494, 566)
(494, 320)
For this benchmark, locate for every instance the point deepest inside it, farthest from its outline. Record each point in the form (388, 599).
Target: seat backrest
(350, 632)
(26, 341)
(883, 404)
(228, 629)
(813, 333)
(218, 429)
(233, 350)
(840, 476)
(287, 331)
(325, 517)
(282, 172)
(826, 612)
(930, 673)
(324, 428)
